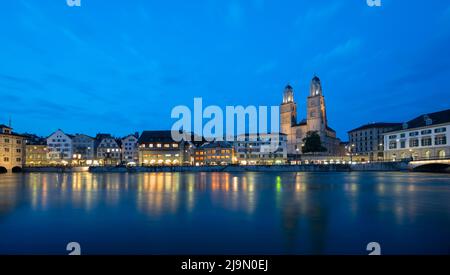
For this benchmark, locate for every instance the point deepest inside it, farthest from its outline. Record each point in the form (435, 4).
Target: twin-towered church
(316, 120)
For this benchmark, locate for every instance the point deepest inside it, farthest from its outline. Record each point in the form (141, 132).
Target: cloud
(317, 14)
(235, 13)
(349, 47)
(21, 82)
(266, 68)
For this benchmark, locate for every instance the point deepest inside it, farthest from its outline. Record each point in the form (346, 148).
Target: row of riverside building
(147, 149)
(424, 137)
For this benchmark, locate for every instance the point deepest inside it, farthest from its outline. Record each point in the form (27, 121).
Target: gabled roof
(155, 136)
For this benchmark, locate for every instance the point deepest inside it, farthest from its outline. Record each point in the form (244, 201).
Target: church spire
(316, 87)
(288, 95)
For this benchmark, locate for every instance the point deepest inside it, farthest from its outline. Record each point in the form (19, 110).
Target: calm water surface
(225, 213)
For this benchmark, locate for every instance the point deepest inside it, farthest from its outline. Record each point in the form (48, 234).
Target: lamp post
(351, 152)
(381, 149)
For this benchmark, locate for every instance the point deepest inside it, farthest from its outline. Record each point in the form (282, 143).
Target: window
(402, 144)
(7, 150)
(440, 140)
(7, 140)
(426, 141)
(6, 159)
(413, 134)
(166, 145)
(175, 145)
(158, 145)
(425, 132)
(18, 159)
(403, 135)
(413, 142)
(18, 150)
(19, 141)
(392, 145)
(440, 130)
(393, 137)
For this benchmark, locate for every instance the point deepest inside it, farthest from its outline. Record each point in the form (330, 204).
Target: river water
(225, 213)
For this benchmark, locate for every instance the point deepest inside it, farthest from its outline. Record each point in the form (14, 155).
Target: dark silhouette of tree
(312, 143)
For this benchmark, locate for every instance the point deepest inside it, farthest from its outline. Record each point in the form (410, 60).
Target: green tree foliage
(312, 143)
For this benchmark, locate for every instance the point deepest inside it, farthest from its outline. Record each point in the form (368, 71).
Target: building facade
(130, 149)
(11, 150)
(158, 148)
(83, 149)
(424, 137)
(108, 150)
(59, 146)
(36, 153)
(267, 149)
(215, 153)
(316, 120)
(366, 143)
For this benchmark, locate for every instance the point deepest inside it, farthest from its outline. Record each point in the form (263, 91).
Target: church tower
(316, 113)
(288, 111)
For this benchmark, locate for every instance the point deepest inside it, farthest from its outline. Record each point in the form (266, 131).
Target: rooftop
(436, 118)
(377, 125)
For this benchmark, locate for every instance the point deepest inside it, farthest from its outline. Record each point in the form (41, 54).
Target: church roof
(302, 122)
(330, 129)
(288, 87)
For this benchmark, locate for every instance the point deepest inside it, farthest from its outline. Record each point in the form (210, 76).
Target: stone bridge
(430, 165)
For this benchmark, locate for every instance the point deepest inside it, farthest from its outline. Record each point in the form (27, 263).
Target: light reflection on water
(173, 213)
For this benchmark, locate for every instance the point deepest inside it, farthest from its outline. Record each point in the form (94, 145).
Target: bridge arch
(17, 169)
(433, 167)
(3, 170)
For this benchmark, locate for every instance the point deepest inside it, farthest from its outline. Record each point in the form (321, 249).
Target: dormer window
(405, 125)
(428, 120)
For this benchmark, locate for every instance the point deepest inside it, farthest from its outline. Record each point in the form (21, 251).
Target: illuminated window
(440, 140)
(175, 145)
(426, 141)
(158, 145)
(166, 145)
(413, 142)
(392, 145)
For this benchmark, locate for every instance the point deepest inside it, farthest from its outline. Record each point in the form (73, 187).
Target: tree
(312, 143)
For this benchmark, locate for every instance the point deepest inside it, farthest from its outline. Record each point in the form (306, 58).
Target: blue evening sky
(120, 66)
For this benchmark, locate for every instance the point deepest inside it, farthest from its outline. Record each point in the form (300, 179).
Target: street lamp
(351, 152)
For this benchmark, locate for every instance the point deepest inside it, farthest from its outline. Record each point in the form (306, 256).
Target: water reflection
(282, 213)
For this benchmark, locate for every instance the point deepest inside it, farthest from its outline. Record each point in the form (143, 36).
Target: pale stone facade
(425, 137)
(11, 150)
(59, 147)
(130, 152)
(366, 142)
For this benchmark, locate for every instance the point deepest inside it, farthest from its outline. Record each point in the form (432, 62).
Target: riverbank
(385, 166)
